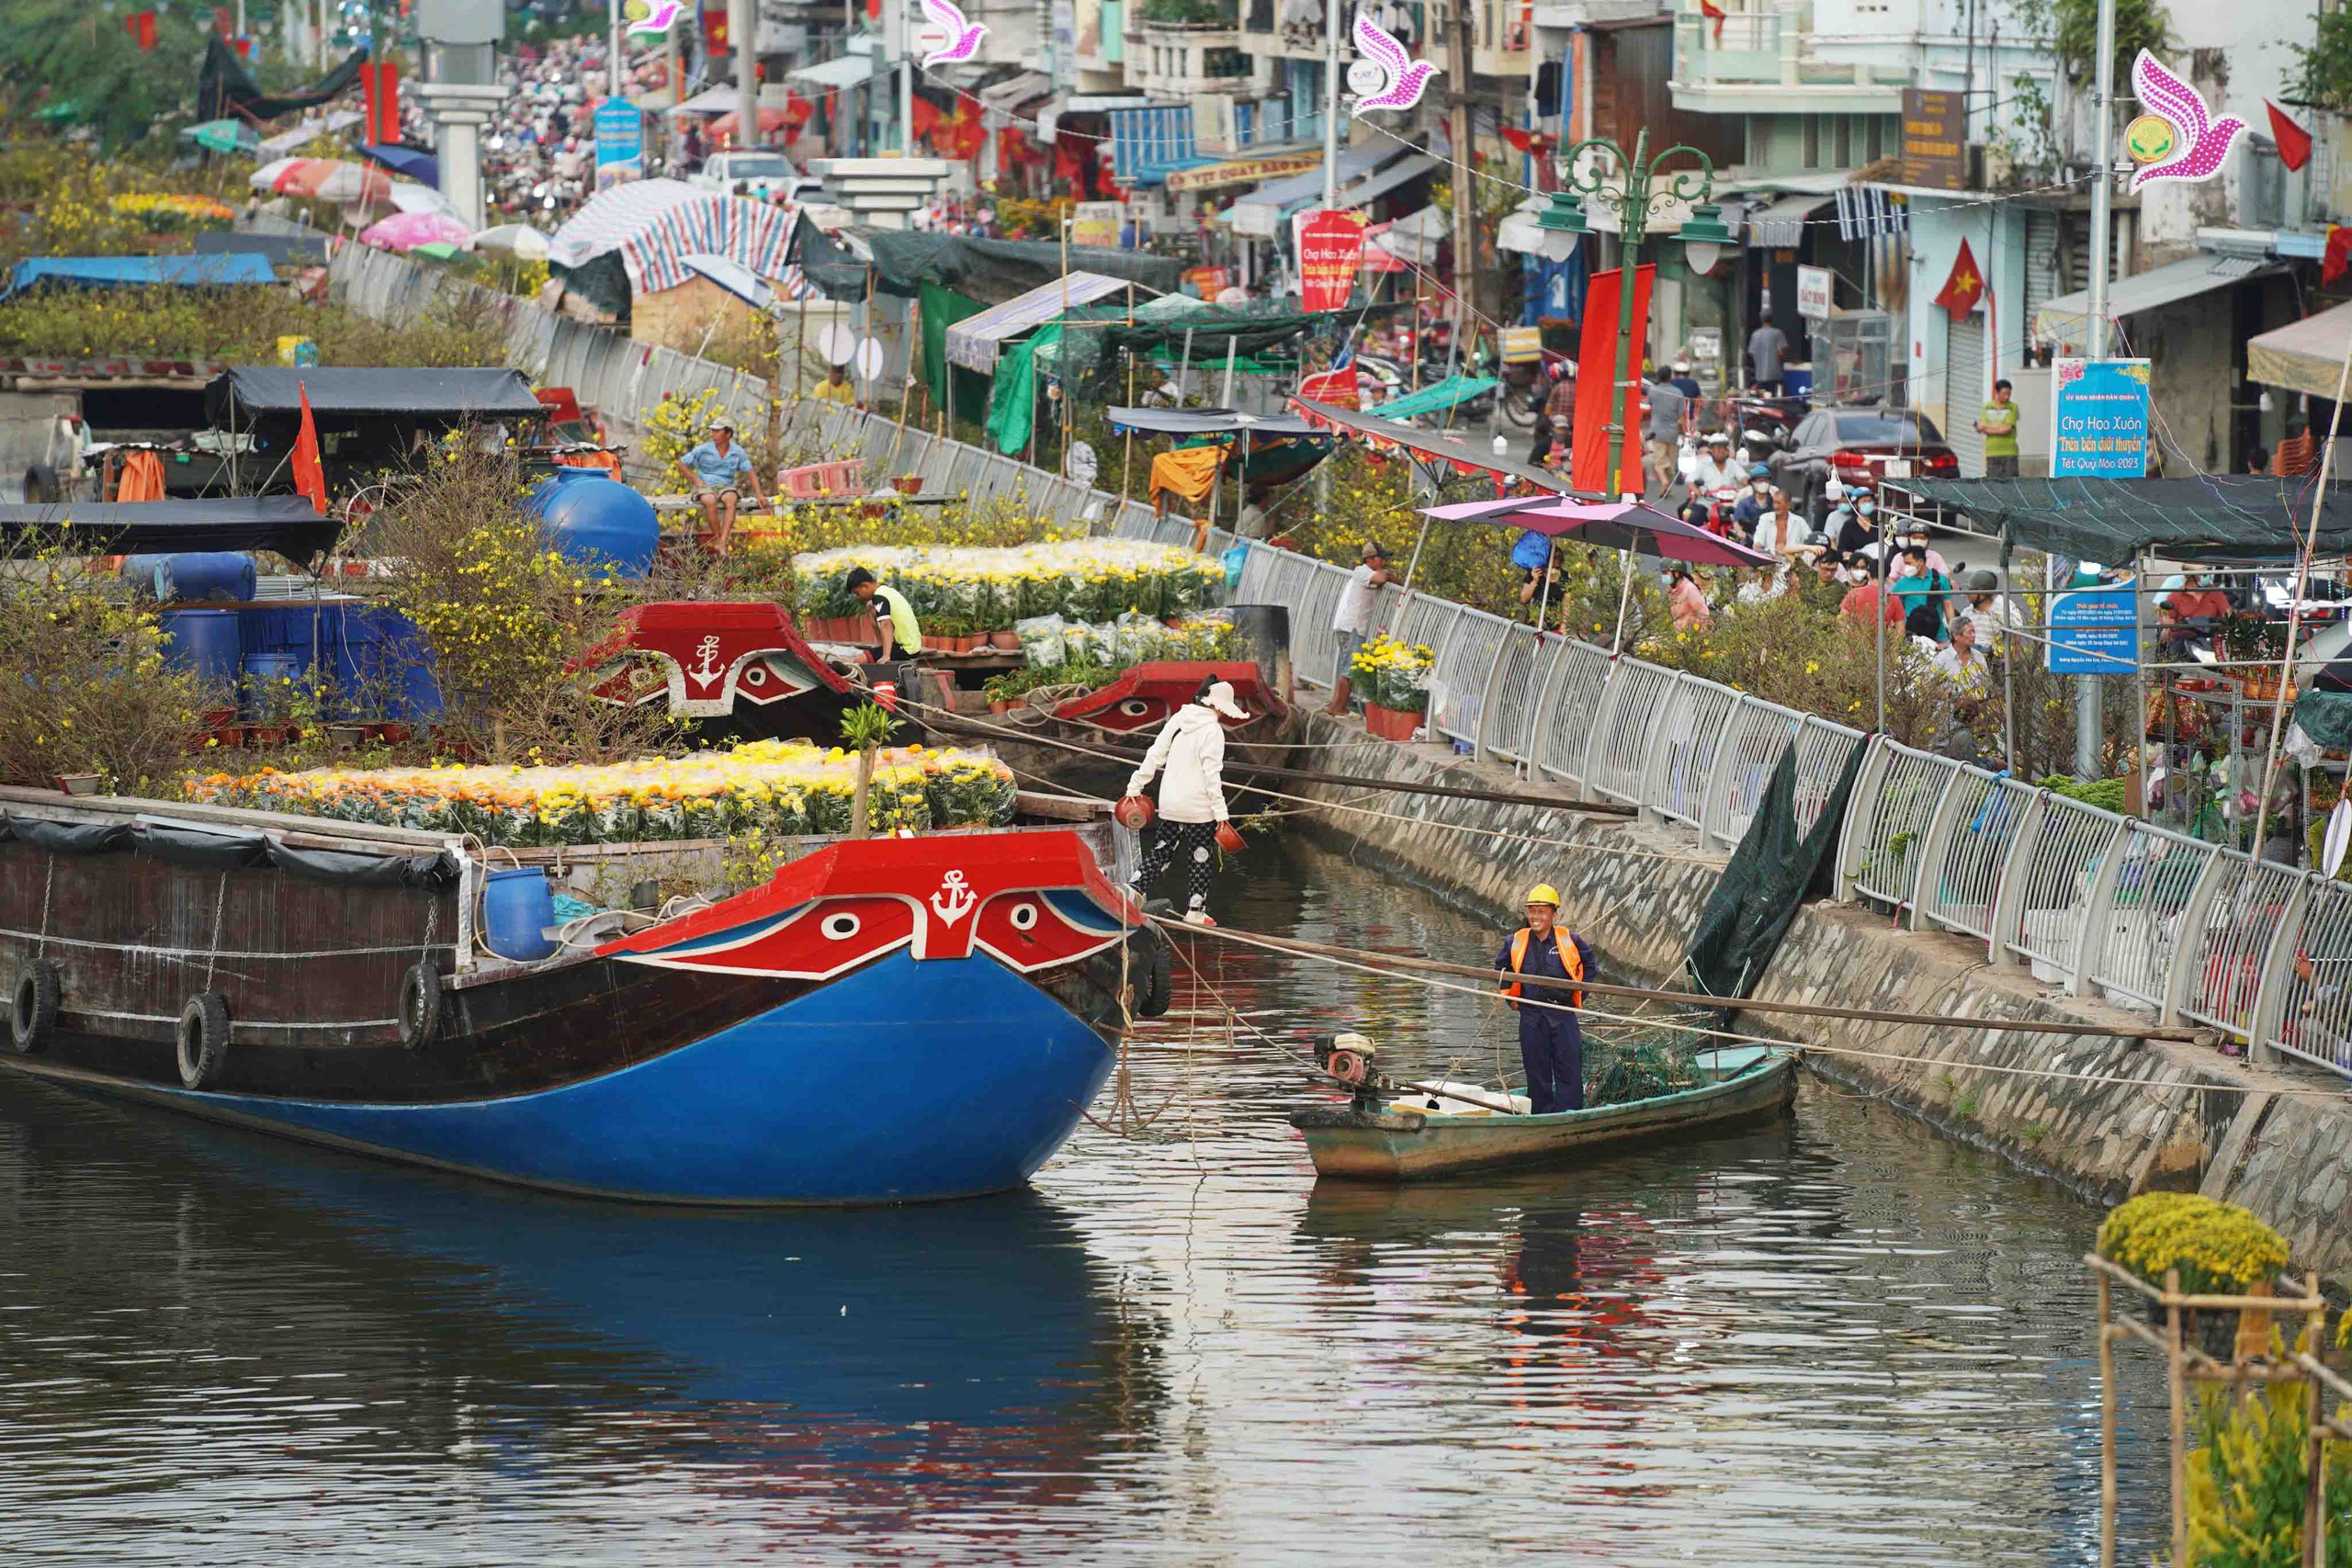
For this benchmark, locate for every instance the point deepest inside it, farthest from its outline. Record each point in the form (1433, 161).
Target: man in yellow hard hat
(1551, 1045)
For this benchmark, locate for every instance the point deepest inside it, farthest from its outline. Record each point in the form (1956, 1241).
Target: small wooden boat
(1370, 1140)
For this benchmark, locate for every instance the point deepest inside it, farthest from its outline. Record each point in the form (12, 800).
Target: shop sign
(1813, 293)
(1243, 171)
(1096, 223)
(1934, 154)
(2098, 419)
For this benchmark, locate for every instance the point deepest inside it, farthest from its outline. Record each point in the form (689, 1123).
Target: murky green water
(1839, 1341)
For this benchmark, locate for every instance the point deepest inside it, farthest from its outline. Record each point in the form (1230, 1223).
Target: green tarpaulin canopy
(2248, 517)
(964, 391)
(990, 271)
(1013, 400)
(1446, 394)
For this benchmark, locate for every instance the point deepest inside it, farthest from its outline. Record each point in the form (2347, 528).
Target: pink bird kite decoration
(660, 15)
(1402, 76)
(962, 37)
(2202, 142)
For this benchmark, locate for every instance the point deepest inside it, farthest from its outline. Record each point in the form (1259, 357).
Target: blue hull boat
(887, 1020)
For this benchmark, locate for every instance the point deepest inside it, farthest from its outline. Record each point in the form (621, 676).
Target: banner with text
(1331, 252)
(2098, 419)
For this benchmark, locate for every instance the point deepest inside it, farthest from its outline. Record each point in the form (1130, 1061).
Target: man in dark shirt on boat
(1551, 1045)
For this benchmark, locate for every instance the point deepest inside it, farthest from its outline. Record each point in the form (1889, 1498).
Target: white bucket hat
(1220, 700)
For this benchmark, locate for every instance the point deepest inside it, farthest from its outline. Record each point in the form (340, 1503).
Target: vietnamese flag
(1596, 389)
(2294, 141)
(1965, 287)
(309, 477)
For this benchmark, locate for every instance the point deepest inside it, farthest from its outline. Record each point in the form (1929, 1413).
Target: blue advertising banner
(2098, 419)
(621, 133)
(2093, 632)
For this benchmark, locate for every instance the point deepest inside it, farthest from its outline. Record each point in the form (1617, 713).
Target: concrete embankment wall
(2128, 1116)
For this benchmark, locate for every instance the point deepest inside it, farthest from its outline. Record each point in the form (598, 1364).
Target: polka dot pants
(1195, 844)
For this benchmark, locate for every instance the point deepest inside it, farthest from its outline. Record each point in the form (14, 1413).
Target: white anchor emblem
(709, 670)
(954, 901)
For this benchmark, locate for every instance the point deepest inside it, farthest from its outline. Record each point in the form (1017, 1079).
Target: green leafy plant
(2323, 72)
(2248, 1474)
(2072, 26)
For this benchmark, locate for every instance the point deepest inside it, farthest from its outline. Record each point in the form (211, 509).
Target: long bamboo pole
(2106, 1422)
(1690, 999)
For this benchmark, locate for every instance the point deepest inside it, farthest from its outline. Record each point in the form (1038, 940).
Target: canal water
(1842, 1340)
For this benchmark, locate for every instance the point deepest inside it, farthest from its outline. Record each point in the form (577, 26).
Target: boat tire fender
(203, 1040)
(419, 1008)
(1155, 985)
(32, 1005)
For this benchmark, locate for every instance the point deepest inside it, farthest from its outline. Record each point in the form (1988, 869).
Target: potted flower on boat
(1395, 679)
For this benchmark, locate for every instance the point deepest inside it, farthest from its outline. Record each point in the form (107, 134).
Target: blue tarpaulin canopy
(140, 272)
(422, 167)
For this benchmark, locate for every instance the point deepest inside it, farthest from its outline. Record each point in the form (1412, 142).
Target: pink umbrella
(406, 231)
(335, 179)
(1626, 525)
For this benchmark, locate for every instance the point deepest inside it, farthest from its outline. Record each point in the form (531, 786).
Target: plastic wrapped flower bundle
(1050, 641)
(781, 787)
(960, 590)
(1394, 675)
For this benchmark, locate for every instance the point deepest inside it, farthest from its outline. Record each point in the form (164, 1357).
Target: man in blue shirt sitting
(716, 471)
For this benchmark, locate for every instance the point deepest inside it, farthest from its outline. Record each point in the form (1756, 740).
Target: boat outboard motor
(1352, 1060)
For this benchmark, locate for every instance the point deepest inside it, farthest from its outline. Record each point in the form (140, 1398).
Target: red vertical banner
(1598, 374)
(1331, 251)
(385, 129)
(310, 475)
(714, 30)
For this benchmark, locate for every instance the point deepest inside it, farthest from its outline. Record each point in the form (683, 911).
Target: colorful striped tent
(654, 225)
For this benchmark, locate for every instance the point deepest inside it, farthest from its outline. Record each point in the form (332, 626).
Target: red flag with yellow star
(1965, 287)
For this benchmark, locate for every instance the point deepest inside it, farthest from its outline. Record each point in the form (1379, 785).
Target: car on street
(1851, 444)
(764, 176)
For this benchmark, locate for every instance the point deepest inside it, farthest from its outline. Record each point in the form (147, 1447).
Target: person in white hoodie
(1189, 757)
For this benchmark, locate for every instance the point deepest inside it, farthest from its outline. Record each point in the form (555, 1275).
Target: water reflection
(866, 1370)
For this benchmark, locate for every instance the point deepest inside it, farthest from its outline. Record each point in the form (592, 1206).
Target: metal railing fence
(2088, 897)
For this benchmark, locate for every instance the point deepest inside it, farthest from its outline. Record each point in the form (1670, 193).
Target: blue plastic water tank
(203, 643)
(263, 671)
(517, 908)
(383, 666)
(194, 575)
(597, 521)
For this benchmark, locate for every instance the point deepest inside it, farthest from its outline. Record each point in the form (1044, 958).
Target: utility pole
(612, 53)
(2088, 725)
(1465, 199)
(1331, 106)
(742, 18)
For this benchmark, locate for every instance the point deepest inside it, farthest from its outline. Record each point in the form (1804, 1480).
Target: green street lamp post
(1645, 183)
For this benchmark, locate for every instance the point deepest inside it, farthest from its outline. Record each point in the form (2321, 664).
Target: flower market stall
(770, 786)
(966, 591)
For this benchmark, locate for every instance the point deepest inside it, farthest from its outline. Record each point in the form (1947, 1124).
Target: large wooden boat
(887, 1019)
(1371, 1142)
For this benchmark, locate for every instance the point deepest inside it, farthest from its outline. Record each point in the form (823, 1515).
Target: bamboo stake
(2105, 1424)
(2176, 1379)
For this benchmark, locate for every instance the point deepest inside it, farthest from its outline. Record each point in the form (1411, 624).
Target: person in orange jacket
(1550, 1044)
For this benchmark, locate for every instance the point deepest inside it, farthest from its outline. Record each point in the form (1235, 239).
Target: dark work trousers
(1550, 1047)
(1197, 841)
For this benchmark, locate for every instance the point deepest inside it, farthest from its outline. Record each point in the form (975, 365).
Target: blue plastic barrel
(383, 666)
(263, 671)
(597, 521)
(516, 910)
(194, 576)
(203, 643)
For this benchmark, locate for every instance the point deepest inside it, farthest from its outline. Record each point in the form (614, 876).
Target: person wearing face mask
(1717, 470)
(1915, 536)
(1854, 526)
(1754, 501)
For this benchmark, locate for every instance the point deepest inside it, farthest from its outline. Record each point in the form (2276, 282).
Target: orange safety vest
(1570, 960)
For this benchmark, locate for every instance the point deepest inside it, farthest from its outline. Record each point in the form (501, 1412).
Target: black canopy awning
(282, 523)
(1463, 453)
(283, 250)
(2248, 517)
(253, 391)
